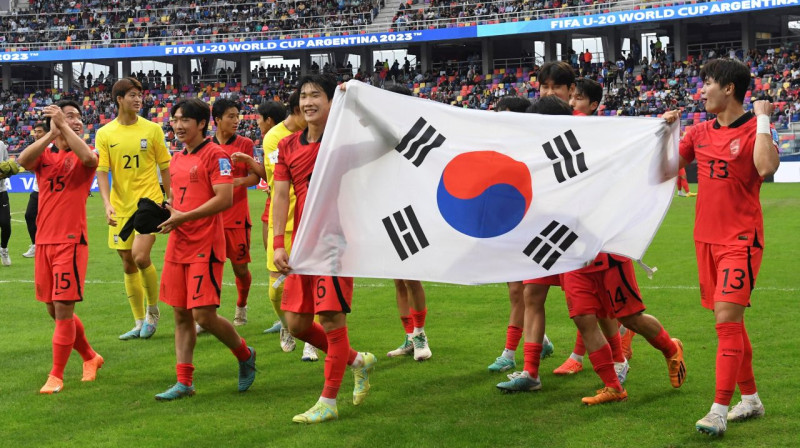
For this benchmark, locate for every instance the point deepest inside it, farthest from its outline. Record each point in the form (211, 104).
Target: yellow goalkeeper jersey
(133, 155)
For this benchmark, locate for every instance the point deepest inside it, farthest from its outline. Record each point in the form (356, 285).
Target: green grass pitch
(450, 400)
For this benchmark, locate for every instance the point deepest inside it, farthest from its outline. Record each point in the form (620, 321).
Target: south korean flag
(420, 190)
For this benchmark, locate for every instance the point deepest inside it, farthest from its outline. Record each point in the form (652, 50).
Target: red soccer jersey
(238, 216)
(64, 184)
(193, 176)
(728, 209)
(296, 159)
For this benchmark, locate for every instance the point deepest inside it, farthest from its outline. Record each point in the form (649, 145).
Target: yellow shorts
(115, 241)
(287, 240)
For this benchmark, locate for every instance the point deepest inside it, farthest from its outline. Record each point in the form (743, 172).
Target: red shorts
(585, 293)
(191, 285)
(550, 280)
(726, 273)
(622, 290)
(60, 272)
(237, 245)
(311, 294)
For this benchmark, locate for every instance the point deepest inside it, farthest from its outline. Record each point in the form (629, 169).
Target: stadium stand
(63, 24)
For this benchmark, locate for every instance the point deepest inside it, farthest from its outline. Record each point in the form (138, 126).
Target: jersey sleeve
(220, 168)
(686, 148)
(281, 168)
(101, 146)
(162, 155)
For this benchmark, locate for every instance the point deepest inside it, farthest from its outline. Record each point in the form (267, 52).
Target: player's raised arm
(69, 124)
(765, 154)
(29, 157)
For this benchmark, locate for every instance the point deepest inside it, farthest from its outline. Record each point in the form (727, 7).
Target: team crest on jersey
(68, 164)
(224, 167)
(143, 143)
(193, 174)
(735, 147)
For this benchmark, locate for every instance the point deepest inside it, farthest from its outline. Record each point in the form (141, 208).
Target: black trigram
(423, 142)
(570, 159)
(548, 247)
(405, 232)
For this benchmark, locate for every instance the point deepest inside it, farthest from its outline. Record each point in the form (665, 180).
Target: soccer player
(66, 165)
(202, 187)
(274, 129)
(5, 213)
(131, 148)
(236, 219)
(516, 317)
(734, 153)
(586, 96)
(585, 99)
(683, 185)
(305, 295)
(32, 210)
(411, 302)
(587, 291)
(533, 295)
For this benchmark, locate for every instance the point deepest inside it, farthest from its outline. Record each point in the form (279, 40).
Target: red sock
(603, 365)
(664, 343)
(81, 344)
(745, 378)
(513, 335)
(242, 352)
(336, 361)
(533, 352)
(185, 373)
(408, 324)
(419, 317)
(729, 359)
(63, 340)
(615, 342)
(351, 357)
(315, 336)
(243, 287)
(579, 349)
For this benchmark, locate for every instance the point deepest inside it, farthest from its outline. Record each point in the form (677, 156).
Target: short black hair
(550, 105)
(221, 105)
(193, 108)
(325, 81)
(589, 88)
(401, 89)
(43, 125)
(294, 102)
(728, 71)
(512, 103)
(64, 103)
(121, 87)
(272, 109)
(560, 73)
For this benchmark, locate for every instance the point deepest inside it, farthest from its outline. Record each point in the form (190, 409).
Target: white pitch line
(436, 285)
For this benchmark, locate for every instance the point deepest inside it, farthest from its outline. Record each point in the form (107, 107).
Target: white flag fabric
(409, 188)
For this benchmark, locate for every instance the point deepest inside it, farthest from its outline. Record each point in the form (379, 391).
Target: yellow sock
(275, 295)
(151, 285)
(133, 286)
